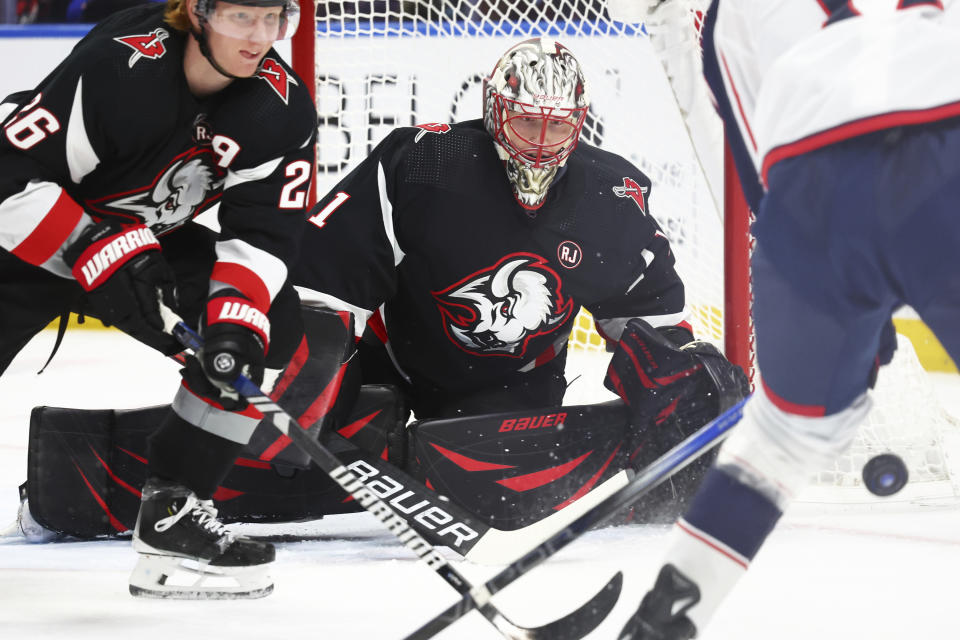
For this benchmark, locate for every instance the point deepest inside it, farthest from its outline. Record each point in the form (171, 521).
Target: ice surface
(826, 573)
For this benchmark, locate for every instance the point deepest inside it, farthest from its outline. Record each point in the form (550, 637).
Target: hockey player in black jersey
(159, 113)
(466, 251)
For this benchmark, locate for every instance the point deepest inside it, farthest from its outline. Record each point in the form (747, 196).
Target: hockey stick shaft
(652, 476)
(474, 598)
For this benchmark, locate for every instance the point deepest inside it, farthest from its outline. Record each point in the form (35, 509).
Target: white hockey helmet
(534, 105)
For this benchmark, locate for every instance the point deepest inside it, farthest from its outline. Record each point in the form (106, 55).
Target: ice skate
(661, 615)
(186, 553)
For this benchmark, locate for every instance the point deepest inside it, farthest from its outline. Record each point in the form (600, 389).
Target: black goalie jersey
(115, 132)
(471, 287)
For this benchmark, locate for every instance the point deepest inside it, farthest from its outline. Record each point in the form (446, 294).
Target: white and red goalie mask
(534, 105)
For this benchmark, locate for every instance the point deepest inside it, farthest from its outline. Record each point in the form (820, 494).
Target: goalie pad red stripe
(113, 476)
(351, 429)
(591, 483)
(292, 369)
(641, 373)
(468, 464)
(116, 524)
(540, 478)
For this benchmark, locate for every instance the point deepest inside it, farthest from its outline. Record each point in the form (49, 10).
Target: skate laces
(205, 513)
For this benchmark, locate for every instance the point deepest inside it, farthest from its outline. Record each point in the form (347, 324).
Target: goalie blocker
(503, 470)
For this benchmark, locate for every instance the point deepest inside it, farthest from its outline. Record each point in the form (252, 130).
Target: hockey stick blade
(652, 476)
(575, 624)
(585, 618)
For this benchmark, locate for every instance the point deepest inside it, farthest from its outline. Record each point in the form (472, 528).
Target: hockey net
(382, 64)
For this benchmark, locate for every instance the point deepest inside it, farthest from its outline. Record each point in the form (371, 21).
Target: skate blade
(172, 578)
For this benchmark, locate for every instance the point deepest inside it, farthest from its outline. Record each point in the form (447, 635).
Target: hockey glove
(673, 385)
(236, 338)
(661, 371)
(125, 276)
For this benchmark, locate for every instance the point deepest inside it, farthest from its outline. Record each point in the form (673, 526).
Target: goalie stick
(659, 470)
(570, 627)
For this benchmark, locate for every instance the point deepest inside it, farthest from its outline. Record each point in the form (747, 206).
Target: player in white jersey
(843, 117)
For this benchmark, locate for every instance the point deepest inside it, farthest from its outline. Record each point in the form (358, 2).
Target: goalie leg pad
(315, 386)
(85, 469)
(515, 468)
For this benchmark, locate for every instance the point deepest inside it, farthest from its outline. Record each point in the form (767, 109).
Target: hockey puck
(885, 474)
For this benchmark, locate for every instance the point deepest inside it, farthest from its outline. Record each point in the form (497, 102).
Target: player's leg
(192, 451)
(820, 312)
(925, 231)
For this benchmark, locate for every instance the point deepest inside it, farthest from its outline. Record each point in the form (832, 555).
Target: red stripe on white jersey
(736, 98)
(857, 128)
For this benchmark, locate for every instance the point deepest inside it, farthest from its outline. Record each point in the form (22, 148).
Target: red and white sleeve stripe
(255, 273)
(37, 222)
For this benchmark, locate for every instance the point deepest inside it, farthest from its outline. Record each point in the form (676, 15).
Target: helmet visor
(254, 23)
(541, 135)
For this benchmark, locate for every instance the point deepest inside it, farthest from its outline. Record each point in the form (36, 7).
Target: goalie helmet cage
(386, 63)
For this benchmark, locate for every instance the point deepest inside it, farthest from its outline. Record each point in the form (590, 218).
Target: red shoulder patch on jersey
(277, 77)
(631, 189)
(431, 127)
(148, 46)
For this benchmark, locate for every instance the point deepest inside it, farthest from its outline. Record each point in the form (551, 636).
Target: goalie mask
(534, 105)
(234, 19)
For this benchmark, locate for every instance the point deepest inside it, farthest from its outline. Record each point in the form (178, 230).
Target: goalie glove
(125, 275)
(236, 337)
(659, 372)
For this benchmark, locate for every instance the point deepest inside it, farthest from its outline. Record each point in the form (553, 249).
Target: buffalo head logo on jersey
(631, 189)
(148, 46)
(187, 186)
(495, 312)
